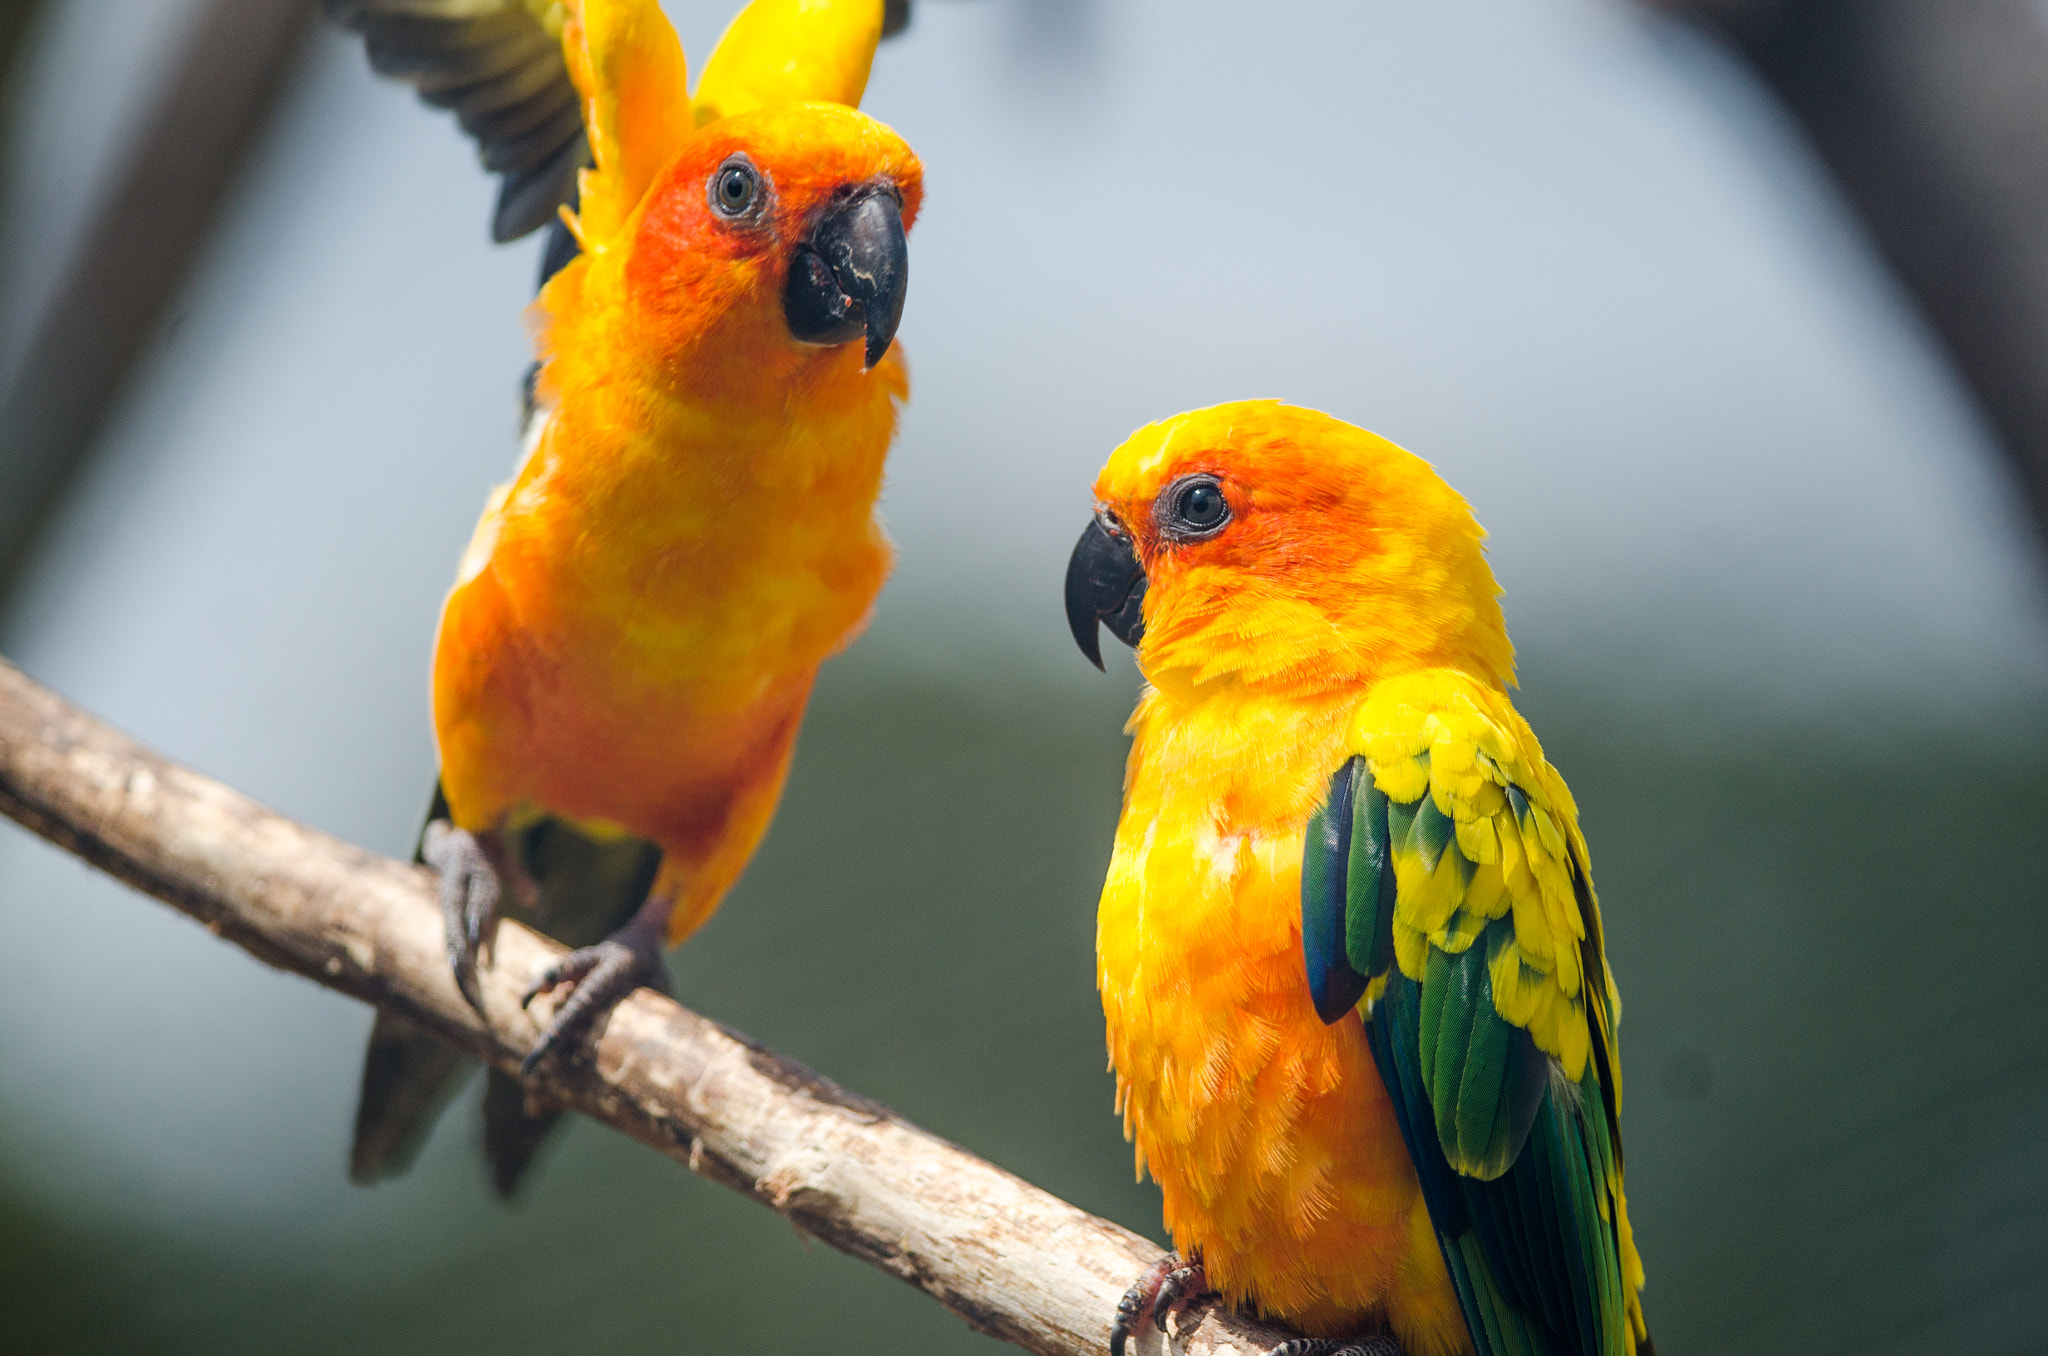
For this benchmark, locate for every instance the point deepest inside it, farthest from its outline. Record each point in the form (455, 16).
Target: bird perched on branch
(1349, 950)
(633, 633)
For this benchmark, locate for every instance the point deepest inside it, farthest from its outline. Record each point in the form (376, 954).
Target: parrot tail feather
(408, 1077)
(513, 1131)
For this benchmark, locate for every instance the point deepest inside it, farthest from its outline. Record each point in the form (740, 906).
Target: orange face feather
(701, 296)
(1347, 557)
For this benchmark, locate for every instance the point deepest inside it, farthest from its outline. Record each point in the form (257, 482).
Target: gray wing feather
(493, 65)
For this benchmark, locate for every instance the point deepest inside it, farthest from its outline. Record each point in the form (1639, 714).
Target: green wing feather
(1470, 929)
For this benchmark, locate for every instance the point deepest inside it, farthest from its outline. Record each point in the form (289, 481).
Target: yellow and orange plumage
(1341, 617)
(643, 609)
(623, 663)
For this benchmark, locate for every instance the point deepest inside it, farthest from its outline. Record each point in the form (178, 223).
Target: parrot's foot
(1168, 1284)
(598, 977)
(1377, 1345)
(473, 868)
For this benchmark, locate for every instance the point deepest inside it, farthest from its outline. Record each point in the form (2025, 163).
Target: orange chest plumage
(1269, 1133)
(627, 644)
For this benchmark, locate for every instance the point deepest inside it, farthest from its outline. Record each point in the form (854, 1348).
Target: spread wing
(1445, 887)
(498, 66)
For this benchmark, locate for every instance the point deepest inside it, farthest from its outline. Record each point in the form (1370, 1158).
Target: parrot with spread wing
(1349, 951)
(634, 630)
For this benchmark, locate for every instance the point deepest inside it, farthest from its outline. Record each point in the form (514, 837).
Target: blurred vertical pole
(15, 18)
(1933, 117)
(154, 218)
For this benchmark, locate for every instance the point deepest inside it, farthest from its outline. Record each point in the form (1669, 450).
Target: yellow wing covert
(788, 51)
(1519, 856)
(1445, 890)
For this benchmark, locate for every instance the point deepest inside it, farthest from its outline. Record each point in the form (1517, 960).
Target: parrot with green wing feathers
(1349, 951)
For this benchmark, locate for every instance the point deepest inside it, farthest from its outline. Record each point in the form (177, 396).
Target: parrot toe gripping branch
(474, 870)
(1171, 1284)
(599, 976)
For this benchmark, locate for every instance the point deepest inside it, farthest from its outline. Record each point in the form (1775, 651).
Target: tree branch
(1015, 1262)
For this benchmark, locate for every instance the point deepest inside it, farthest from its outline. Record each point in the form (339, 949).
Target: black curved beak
(1106, 586)
(849, 277)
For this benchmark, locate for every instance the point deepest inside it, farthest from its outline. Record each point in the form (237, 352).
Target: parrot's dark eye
(1193, 508)
(735, 187)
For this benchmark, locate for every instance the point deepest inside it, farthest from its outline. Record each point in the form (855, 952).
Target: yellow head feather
(629, 67)
(1347, 559)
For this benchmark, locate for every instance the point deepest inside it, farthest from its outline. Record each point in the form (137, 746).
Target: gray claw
(470, 892)
(1181, 1285)
(601, 976)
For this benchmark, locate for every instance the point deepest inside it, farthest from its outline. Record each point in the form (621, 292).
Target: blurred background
(1718, 314)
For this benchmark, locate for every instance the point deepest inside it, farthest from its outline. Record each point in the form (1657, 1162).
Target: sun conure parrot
(625, 657)
(1348, 948)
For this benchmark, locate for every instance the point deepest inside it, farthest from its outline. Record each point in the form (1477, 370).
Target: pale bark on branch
(1016, 1262)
